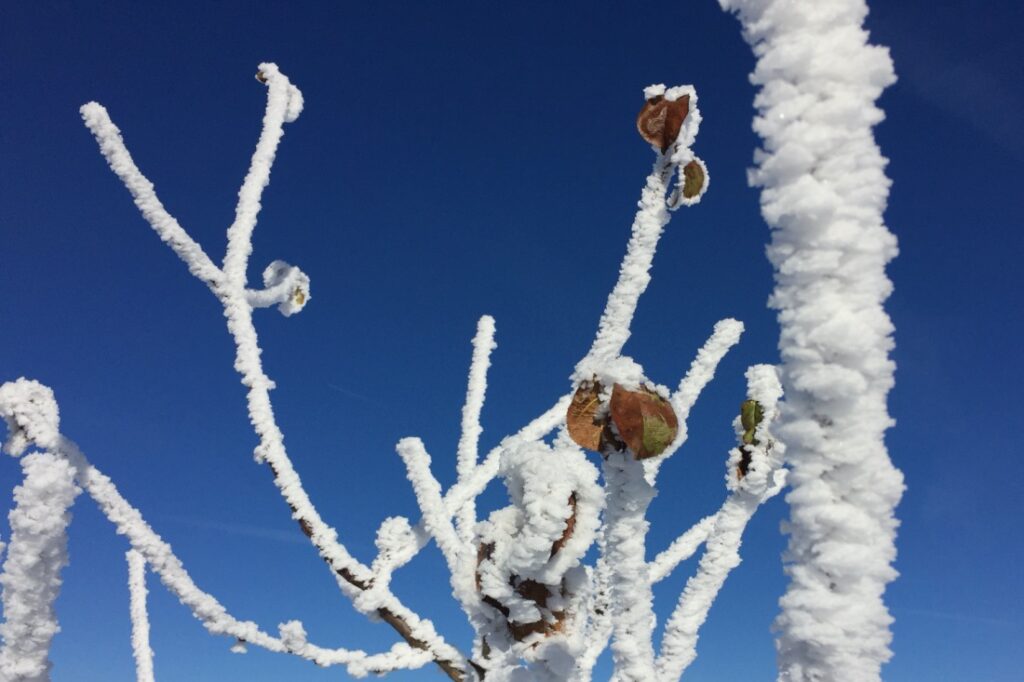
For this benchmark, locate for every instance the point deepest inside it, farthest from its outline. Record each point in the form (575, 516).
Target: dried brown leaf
(660, 120)
(582, 421)
(645, 421)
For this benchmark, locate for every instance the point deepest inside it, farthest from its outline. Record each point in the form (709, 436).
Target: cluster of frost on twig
(824, 190)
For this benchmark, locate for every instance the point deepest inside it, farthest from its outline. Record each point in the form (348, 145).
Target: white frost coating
(167, 228)
(625, 531)
(140, 617)
(31, 579)
(824, 191)
(764, 479)
(483, 344)
(681, 549)
(540, 481)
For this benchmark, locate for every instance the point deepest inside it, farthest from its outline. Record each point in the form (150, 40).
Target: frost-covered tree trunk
(824, 190)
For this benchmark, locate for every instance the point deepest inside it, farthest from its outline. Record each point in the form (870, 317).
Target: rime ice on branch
(824, 190)
(140, 616)
(38, 546)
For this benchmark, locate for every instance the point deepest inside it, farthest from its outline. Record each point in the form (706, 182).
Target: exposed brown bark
(449, 667)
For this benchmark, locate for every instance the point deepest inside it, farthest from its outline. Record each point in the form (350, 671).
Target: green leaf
(657, 434)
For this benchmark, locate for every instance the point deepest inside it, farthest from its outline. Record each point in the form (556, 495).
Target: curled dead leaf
(660, 120)
(645, 421)
(582, 421)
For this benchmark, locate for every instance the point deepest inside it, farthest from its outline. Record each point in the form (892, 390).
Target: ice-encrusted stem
(466, 459)
(428, 495)
(599, 618)
(634, 273)
(763, 479)
(681, 549)
(724, 336)
(625, 533)
(824, 191)
(466, 491)
(108, 136)
(284, 104)
(141, 650)
(37, 552)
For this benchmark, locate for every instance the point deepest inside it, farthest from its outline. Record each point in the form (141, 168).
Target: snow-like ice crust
(823, 192)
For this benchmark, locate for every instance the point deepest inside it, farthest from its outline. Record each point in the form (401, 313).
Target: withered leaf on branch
(693, 179)
(645, 421)
(582, 421)
(660, 120)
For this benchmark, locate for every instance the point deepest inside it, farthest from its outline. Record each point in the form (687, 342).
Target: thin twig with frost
(681, 549)
(761, 479)
(466, 458)
(141, 650)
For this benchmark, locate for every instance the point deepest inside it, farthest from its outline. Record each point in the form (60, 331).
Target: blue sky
(454, 161)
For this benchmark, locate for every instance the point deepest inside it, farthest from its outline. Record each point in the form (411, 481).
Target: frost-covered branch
(167, 228)
(823, 192)
(466, 460)
(29, 408)
(37, 552)
(284, 104)
(724, 336)
(289, 289)
(625, 532)
(753, 474)
(648, 225)
(681, 549)
(436, 518)
(141, 650)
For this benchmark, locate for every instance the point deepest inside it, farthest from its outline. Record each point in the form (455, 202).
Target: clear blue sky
(456, 160)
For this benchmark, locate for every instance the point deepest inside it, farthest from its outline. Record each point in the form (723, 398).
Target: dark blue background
(454, 160)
